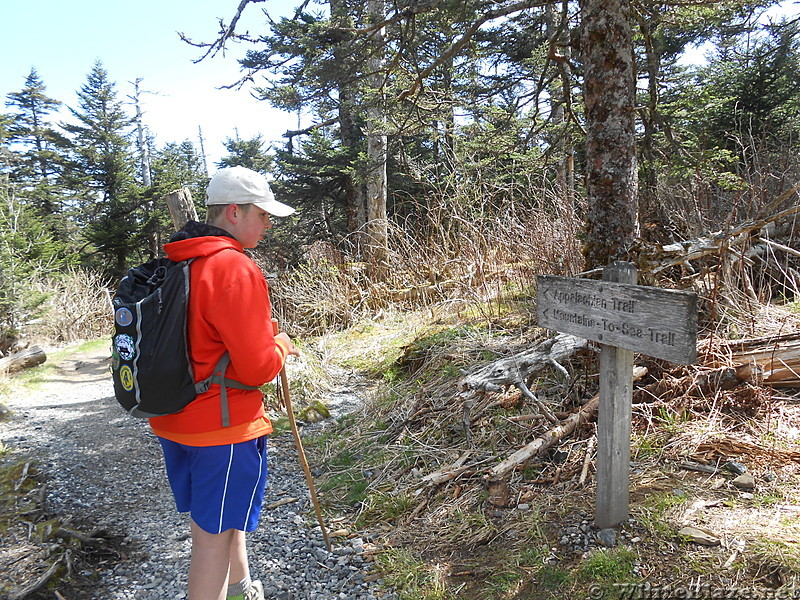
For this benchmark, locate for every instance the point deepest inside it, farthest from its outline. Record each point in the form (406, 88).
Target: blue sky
(63, 38)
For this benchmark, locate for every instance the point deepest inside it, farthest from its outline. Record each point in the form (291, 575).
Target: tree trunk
(141, 142)
(559, 52)
(377, 224)
(651, 213)
(609, 90)
(348, 130)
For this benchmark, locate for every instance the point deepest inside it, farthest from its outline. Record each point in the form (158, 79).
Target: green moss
(315, 411)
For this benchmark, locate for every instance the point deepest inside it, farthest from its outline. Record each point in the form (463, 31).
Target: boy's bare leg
(239, 567)
(208, 569)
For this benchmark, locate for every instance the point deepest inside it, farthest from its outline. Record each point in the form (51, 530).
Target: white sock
(237, 589)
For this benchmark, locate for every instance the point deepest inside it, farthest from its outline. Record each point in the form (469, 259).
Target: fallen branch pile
(587, 413)
(48, 551)
(747, 241)
(737, 366)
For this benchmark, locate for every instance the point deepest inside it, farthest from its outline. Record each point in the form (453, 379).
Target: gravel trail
(106, 467)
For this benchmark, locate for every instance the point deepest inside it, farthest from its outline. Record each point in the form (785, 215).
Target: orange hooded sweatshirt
(229, 309)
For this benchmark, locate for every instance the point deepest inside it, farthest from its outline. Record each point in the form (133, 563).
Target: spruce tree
(27, 250)
(101, 175)
(39, 150)
(173, 167)
(247, 153)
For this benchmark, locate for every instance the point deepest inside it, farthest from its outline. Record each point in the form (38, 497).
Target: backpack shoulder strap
(218, 376)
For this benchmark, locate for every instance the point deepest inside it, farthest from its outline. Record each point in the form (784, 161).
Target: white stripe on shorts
(225, 490)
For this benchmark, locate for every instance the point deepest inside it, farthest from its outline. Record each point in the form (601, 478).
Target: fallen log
(701, 383)
(32, 357)
(775, 358)
(516, 369)
(558, 433)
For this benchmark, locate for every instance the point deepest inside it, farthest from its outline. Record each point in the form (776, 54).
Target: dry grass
(77, 308)
(455, 255)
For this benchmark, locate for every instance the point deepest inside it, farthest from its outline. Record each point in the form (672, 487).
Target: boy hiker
(216, 457)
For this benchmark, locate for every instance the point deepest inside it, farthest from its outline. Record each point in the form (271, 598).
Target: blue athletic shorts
(221, 486)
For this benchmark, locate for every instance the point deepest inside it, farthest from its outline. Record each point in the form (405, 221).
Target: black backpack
(150, 363)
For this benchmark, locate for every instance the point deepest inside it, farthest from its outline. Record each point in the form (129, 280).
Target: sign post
(624, 318)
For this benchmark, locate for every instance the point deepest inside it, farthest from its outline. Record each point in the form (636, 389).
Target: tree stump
(181, 207)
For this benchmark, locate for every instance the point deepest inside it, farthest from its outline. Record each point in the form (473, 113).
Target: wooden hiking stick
(287, 400)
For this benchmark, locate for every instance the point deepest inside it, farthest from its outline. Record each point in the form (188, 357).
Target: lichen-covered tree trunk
(609, 96)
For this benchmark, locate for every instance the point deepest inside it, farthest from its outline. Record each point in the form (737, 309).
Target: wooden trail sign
(625, 318)
(652, 321)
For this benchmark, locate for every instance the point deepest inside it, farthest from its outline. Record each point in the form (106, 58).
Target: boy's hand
(293, 351)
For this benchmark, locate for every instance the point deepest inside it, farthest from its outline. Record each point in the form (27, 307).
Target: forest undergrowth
(714, 487)
(533, 536)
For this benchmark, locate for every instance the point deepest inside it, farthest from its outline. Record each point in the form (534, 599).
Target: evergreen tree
(663, 33)
(27, 249)
(101, 174)
(755, 82)
(39, 148)
(247, 153)
(609, 98)
(173, 167)
(6, 156)
(178, 165)
(734, 128)
(319, 62)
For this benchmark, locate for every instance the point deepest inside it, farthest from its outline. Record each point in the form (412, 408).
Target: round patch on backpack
(126, 378)
(123, 316)
(125, 346)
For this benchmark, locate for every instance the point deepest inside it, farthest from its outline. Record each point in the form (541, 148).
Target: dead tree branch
(682, 252)
(39, 583)
(558, 433)
(515, 371)
(456, 46)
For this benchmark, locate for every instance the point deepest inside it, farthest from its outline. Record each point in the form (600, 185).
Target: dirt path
(102, 471)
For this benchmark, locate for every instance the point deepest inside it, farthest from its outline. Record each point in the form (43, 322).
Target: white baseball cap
(240, 185)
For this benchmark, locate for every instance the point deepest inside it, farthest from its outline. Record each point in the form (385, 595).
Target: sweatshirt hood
(195, 240)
